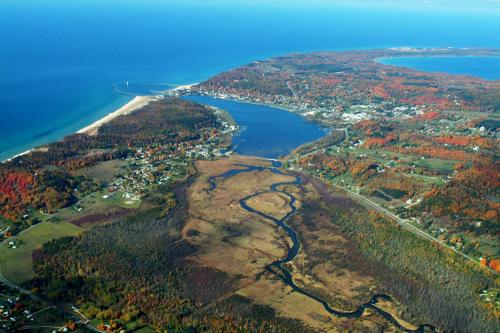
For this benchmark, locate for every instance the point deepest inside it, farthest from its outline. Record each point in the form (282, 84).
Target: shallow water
(59, 59)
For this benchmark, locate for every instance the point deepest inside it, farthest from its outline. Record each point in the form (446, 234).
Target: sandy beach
(184, 87)
(136, 103)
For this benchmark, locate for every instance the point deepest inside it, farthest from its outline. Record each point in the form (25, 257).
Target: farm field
(105, 171)
(16, 263)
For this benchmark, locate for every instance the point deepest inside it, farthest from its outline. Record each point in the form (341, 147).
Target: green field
(436, 164)
(95, 203)
(428, 179)
(16, 264)
(105, 171)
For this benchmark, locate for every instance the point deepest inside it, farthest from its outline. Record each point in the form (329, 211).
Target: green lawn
(383, 156)
(427, 179)
(436, 164)
(16, 264)
(118, 200)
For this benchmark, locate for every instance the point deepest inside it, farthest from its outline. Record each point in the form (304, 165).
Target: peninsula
(149, 219)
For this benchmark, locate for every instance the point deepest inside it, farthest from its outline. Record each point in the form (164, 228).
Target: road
(36, 298)
(403, 223)
(20, 289)
(314, 151)
(293, 91)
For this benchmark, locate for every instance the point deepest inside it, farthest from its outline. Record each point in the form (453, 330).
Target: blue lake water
(268, 132)
(59, 58)
(484, 67)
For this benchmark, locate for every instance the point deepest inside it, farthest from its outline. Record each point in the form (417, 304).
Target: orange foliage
(466, 141)
(380, 91)
(362, 167)
(495, 264)
(468, 194)
(429, 116)
(491, 215)
(379, 142)
(437, 152)
(335, 164)
(71, 325)
(365, 123)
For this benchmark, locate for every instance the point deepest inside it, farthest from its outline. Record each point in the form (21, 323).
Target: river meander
(270, 133)
(278, 268)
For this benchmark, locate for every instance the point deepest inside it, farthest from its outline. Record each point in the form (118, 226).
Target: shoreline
(134, 104)
(276, 106)
(183, 87)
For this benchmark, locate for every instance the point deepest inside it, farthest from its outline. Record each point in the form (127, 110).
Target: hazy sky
(489, 6)
(467, 6)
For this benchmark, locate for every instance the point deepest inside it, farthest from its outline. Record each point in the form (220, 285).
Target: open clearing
(16, 264)
(105, 171)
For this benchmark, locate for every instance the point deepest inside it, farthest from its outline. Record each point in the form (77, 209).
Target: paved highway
(404, 223)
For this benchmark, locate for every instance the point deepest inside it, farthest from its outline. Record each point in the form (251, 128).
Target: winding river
(276, 267)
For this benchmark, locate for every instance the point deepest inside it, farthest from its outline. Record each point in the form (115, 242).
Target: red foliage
(380, 91)
(330, 81)
(379, 142)
(495, 264)
(15, 186)
(438, 152)
(429, 100)
(465, 141)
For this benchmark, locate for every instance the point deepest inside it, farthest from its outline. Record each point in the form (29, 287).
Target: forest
(165, 290)
(435, 284)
